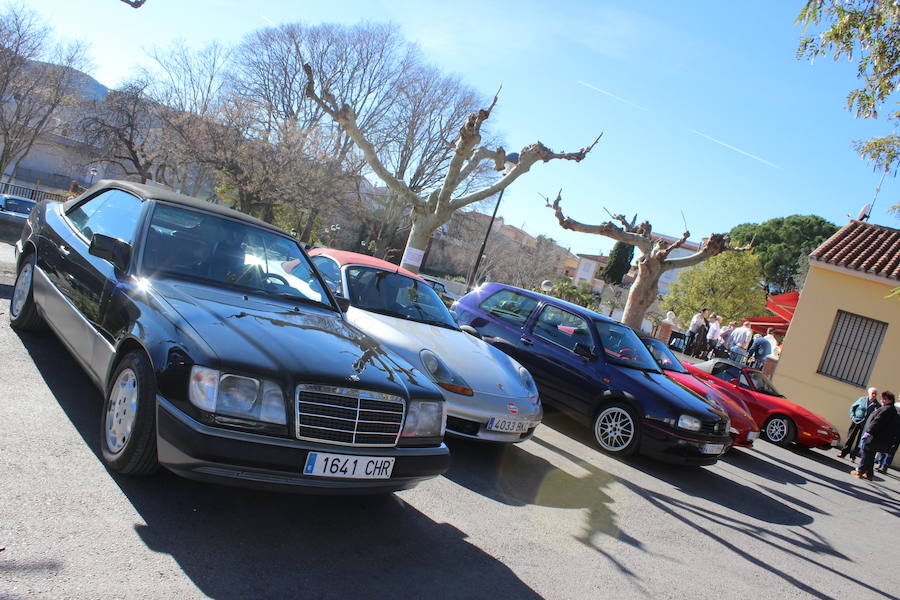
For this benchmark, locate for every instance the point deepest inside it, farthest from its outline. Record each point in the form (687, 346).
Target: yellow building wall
(824, 293)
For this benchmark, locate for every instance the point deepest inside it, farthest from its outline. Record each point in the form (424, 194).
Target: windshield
(622, 346)
(761, 383)
(666, 359)
(204, 247)
(396, 295)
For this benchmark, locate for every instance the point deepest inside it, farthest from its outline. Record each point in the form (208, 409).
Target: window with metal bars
(852, 348)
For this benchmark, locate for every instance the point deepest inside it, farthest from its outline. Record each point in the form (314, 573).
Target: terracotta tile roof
(865, 247)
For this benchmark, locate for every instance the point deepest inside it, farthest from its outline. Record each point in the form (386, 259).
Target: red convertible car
(743, 428)
(780, 420)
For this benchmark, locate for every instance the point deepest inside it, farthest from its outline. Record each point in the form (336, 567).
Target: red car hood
(736, 409)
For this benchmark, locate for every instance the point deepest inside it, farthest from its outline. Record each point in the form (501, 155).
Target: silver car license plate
(321, 464)
(712, 448)
(502, 425)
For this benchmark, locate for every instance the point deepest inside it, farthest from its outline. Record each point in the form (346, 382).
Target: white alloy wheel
(121, 411)
(614, 429)
(23, 287)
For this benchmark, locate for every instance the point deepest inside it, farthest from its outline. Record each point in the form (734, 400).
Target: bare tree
(431, 208)
(37, 77)
(653, 256)
(126, 131)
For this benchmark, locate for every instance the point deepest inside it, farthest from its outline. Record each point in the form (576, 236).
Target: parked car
(780, 420)
(597, 370)
(489, 395)
(13, 213)
(16, 206)
(743, 430)
(220, 353)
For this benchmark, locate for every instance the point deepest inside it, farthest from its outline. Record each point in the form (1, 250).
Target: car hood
(737, 411)
(274, 337)
(670, 392)
(486, 369)
(782, 404)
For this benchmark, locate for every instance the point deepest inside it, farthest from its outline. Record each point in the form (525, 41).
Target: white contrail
(681, 125)
(268, 20)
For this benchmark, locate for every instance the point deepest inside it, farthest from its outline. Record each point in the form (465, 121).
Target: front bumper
(815, 439)
(197, 451)
(468, 417)
(680, 447)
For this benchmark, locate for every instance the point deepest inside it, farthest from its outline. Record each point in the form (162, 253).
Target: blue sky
(703, 107)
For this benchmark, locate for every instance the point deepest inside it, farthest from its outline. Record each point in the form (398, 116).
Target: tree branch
(716, 244)
(527, 157)
(608, 228)
(344, 117)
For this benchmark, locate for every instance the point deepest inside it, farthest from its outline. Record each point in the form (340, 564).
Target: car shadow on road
(236, 543)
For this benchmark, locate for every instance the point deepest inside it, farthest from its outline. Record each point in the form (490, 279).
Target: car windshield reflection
(211, 249)
(396, 295)
(664, 356)
(622, 346)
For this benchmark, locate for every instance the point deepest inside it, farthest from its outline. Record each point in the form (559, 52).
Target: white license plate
(321, 464)
(752, 436)
(508, 425)
(712, 448)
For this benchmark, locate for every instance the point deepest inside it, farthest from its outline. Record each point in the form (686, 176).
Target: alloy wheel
(614, 429)
(776, 430)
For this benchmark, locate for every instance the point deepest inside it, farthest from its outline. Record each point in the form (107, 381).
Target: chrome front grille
(714, 427)
(347, 416)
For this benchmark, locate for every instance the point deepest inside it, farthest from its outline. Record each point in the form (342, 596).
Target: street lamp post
(511, 159)
(93, 173)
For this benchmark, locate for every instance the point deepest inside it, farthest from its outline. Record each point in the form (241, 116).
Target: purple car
(600, 372)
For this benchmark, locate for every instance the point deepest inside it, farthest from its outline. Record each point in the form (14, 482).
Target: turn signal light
(457, 389)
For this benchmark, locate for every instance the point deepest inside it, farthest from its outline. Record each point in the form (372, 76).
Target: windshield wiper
(296, 298)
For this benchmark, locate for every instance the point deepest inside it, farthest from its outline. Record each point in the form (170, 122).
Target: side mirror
(470, 330)
(734, 381)
(343, 303)
(583, 350)
(113, 250)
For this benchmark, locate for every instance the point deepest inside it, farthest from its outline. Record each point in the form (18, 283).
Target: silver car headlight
(528, 382)
(442, 374)
(236, 395)
(425, 418)
(689, 422)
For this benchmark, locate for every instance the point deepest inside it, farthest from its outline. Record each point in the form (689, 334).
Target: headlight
(688, 422)
(528, 382)
(236, 395)
(424, 419)
(442, 374)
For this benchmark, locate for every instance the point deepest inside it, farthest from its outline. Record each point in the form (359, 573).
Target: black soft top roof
(159, 192)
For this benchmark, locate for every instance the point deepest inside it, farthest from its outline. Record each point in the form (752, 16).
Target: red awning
(759, 324)
(784, 305)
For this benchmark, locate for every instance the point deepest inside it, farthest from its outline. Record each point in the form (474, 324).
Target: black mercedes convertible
(221, 353)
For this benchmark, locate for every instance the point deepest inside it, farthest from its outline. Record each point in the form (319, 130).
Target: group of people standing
(707, 337)
(874, 433)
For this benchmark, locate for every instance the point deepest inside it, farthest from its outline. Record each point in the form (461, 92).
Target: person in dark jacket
(860, 411)
(878, 436)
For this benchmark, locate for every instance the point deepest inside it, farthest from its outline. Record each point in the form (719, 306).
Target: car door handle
(526, 341)
(64, 250)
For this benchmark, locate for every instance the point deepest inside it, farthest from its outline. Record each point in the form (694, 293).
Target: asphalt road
(552, 517)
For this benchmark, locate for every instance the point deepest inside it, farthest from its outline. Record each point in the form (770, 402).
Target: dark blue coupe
(598, 371)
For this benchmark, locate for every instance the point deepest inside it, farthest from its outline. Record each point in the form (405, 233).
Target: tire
(128, 419)
(617, 430)
(779, 430)
(23, 313)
